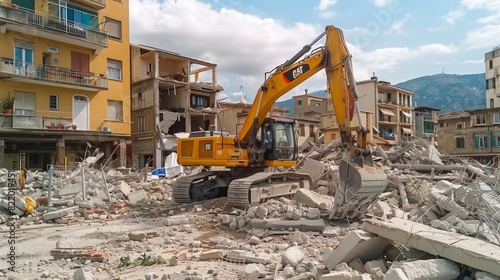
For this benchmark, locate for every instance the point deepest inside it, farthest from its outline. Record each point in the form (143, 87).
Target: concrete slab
(313, 168)
(59, 213)
(466, 250)
(357, 244)
(310, 198)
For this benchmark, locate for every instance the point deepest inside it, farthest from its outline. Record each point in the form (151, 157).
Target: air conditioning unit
(105, 129)
(497, 71)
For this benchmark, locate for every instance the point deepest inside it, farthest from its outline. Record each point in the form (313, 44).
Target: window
(199, 101)
(491, 63)
(460, 142)
(492, 103)
(24, 103)
(299, 102)
(496, 117)
(53, 102)
(460, 125)
(141, 124)
(389, 97)
(115, 110)
(23, 56)
(490, 83)
(481, 119)
(302, 130)
(141, 100)
(114, 69)
(495, 140)
(481, 141)
(443, 124)
(311, 130)
(114, 29)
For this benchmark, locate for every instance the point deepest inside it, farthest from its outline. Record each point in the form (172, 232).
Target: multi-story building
(385, 109)
(426, 119)
(474, 134)
(171, 94)
(309, 106)
(66, 66)
(492, 73)
(392, 107)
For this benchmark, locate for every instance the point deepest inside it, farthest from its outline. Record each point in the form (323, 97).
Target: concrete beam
(460, 248)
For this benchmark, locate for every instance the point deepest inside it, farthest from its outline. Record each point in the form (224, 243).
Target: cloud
(325, 4)
(453, 16)
(244, 46)
(323, 8)
(489, 26)
(382, 3)
(397, 25)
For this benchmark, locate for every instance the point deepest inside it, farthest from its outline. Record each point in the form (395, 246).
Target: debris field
(438, 218)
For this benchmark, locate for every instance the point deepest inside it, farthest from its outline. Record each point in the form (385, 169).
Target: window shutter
(477, 141)
(494, 141)
(485, 141)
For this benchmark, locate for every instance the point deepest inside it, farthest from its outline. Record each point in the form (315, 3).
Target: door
(81, 112)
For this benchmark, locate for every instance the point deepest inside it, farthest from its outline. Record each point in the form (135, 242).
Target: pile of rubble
(438, 219)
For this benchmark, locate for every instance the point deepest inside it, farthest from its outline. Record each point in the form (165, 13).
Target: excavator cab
(279, 139)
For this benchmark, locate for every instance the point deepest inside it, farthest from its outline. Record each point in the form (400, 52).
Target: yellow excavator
(266, 142)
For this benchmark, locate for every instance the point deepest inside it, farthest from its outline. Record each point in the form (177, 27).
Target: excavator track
(259, 187)
(181, 189)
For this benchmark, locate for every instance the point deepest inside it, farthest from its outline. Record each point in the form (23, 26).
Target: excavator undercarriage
(242, 187)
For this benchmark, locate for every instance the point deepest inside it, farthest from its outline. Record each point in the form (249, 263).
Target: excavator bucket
(359, 185)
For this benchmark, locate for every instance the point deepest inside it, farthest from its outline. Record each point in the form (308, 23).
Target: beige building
(473, 134)
(171, 94)
(492, 73)
(309, 106)
(232, 115)
(392, 107)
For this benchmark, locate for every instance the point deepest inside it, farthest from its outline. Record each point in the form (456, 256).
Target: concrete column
(60, 152)
(2, 153)
(123, 153)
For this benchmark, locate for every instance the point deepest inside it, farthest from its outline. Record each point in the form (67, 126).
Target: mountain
(446, 92)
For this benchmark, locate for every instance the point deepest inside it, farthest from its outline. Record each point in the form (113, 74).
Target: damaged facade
(171, 94)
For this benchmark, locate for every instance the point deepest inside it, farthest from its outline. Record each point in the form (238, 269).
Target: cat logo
(208, 147)
(296, 72)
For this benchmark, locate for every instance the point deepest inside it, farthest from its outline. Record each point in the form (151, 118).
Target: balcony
(96, 4)
(36, 122)
(53, 76)
(39, 25)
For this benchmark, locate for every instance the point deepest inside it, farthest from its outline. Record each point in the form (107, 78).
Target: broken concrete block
(261, 212)
(449, 205)
(313, 168)
(343, 275)
(357, 243)
(302, 224)
(395, 274)
(252, 271)
(381, 209)
(357, 265)
(210, 255)
(456, 247)
(292, 256)
(59, 213)
(83, 274)
(137, 196)
(481, 275)
(64, 243)
(137, 235)
(299, 238)
(313, 213)
(177, 220)
(433, 269)
(310, 198)
(372, 266)
(331, 231)
(254, 240)
(123, 188)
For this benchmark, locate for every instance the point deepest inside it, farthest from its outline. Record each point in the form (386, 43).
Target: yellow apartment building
(66, 67)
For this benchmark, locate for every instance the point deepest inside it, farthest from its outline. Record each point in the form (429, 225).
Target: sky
(397, 40)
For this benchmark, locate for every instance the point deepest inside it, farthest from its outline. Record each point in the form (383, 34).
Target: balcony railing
(51, 74)
(36, 122)
(92, 34)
